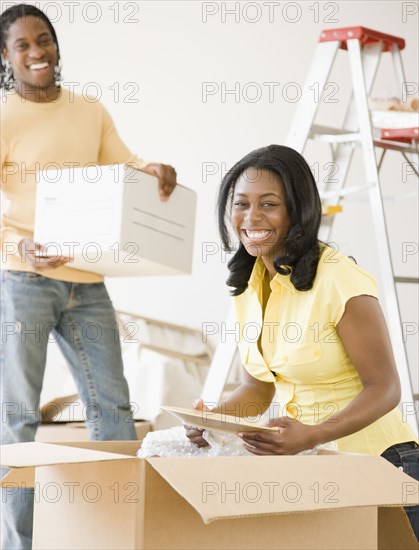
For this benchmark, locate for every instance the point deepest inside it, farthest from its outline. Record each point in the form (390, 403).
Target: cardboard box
(98, 495)
(77, 431)
(111, 220)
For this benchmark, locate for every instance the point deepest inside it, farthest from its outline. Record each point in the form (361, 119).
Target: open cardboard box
(99, 495)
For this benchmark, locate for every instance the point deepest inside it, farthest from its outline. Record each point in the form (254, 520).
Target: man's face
(32, 53)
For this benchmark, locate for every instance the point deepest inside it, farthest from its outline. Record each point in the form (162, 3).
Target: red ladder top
(407, 135)
(364, 35)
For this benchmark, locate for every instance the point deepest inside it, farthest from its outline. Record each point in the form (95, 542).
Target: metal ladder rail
(363, 64)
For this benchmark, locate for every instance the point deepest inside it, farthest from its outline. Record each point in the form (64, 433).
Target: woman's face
(32, 53)
(259, 215)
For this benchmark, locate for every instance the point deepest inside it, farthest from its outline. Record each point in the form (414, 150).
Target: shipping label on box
(110, 220)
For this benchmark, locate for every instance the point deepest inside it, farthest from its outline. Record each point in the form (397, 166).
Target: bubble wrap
(173, 442)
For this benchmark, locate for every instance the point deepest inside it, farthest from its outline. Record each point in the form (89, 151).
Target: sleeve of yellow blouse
(346, 280)
(112, 149)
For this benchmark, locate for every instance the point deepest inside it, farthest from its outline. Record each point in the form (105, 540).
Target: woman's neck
(270, 269)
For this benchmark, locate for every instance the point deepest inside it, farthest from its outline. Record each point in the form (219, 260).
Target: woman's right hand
(195, 434)
(27, 249)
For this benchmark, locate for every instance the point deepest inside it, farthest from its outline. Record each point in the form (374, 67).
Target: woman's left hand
(167, 178)
(291, 438)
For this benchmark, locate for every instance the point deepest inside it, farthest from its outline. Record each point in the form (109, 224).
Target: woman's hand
(291, 438)
(195, 434)
(167, 178)
(27, 249)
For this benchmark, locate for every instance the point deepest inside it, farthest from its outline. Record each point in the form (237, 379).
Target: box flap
(23, 455)
(226, 487)
(24, 477)
(395, 531)
(127, 447)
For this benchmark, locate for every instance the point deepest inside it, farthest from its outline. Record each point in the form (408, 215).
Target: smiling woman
(333, 375)
(260, 216)
(293, 218)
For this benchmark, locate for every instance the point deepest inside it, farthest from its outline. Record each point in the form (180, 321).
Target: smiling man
(43, 124)
(32, 56)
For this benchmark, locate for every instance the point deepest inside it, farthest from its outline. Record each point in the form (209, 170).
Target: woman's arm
(365, 337)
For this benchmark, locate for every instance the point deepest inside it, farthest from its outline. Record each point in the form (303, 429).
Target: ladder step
(396, 146)
(340, 193)
(390, 141)
(414, 280)
(406, 135)
(364, 35)
(333, 135)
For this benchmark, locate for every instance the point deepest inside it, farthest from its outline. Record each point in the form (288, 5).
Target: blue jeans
(81, 319)
(406, 457)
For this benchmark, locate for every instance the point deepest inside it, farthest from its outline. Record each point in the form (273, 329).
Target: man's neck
(37, 94)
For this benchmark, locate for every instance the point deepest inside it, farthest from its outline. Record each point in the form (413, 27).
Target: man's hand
(27, 249)
(167, 178)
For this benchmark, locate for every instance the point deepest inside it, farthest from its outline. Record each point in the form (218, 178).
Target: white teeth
(257, 234)
(36, 66)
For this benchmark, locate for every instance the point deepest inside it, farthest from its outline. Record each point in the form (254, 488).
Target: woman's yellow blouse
(302, 353)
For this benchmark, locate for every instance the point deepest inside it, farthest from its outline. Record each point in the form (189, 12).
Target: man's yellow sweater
(73, 131)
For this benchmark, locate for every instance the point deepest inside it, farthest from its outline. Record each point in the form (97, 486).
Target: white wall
(169, 53)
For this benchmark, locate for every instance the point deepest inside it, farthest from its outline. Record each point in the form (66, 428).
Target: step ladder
(364, 48)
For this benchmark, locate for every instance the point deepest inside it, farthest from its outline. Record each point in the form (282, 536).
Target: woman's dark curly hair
(302, 247)
(7, 18)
